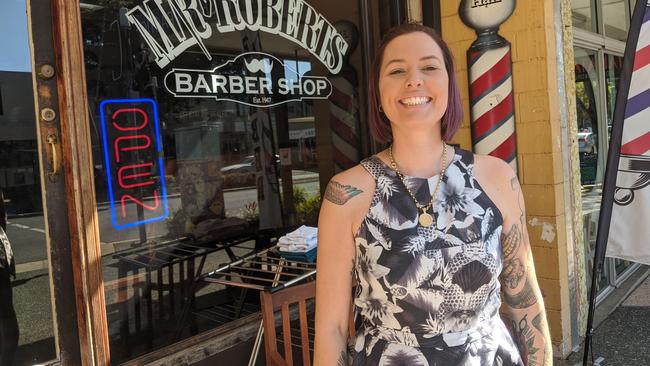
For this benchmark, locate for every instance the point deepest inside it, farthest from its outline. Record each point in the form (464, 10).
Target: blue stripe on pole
(637, 104)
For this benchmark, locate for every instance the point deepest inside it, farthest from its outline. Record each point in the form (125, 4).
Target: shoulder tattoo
(339, 194)
(516, 187)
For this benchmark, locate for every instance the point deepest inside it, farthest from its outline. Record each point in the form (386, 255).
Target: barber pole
(490, 79)
(492, 103)
(344, 122)
(344, 104)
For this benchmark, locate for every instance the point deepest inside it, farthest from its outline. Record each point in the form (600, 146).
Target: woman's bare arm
(523, 305)
(335, 264)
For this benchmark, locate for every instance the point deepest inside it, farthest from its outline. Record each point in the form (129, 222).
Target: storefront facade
(171, 137)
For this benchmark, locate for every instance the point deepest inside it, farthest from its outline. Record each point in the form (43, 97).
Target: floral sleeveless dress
(429, 295)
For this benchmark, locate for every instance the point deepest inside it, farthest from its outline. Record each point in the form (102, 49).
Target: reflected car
(586, 142)
(247, 165)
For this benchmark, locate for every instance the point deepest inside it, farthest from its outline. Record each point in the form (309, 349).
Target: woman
(430, 234)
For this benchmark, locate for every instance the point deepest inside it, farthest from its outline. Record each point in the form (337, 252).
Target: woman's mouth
(415, 101)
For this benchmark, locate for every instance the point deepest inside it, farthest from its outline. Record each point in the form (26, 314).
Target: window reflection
(616, 18)
(587, 111)
(613, 67)
(583, 14)
(236, 175)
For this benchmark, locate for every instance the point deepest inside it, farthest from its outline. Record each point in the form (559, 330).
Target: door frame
(67, 179)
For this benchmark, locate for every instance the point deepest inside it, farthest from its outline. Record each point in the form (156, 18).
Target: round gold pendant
(425, 219)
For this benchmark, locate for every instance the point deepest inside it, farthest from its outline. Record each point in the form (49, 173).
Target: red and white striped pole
(344, 121)
(344, 105)
(492, 103)
(492, 107)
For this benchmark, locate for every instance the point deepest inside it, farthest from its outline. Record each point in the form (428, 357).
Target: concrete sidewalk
(623, 336)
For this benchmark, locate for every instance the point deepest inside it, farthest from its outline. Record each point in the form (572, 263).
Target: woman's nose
(414, 82)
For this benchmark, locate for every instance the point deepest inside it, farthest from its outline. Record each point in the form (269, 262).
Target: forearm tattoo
(522, 299)
(513, 272)
(339, 194)
(510, 241)
(526, 334)
(343, 359)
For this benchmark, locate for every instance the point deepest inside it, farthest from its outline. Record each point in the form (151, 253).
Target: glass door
(33, 210)
(214, 127)
(30, 292)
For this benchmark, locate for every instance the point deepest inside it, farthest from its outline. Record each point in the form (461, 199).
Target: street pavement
(31, 292)
(623, 337)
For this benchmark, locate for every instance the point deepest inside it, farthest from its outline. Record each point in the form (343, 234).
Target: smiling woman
(428, 230)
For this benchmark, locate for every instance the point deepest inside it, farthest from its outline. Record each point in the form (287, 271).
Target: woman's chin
(422, 121)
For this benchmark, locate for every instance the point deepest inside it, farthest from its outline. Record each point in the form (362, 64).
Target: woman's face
(413, 81)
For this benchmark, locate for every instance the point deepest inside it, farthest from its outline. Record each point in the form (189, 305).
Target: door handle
(52, 142)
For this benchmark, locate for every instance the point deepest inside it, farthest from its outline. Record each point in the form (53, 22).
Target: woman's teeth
(415, 101)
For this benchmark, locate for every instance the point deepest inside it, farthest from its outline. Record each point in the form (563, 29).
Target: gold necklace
(424, 218)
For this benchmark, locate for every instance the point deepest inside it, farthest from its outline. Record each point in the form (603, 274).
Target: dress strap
(467, 158)
(374, 167)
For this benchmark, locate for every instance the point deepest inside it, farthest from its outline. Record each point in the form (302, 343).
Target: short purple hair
(379, 123)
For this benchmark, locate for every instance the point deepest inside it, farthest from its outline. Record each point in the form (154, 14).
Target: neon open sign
(133, 158)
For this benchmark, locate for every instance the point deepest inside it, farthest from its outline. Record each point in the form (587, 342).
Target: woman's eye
(396, 71)
(430, 68)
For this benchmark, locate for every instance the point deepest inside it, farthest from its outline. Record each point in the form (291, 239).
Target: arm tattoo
(513, 272)
(339, 194)
(524, 336)
(521, 300)
(510, 241)
(514, 182)
(537, 322)
(343, 359)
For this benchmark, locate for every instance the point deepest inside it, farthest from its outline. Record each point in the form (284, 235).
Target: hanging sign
(247, 79)
(133, 158)
(169, 27)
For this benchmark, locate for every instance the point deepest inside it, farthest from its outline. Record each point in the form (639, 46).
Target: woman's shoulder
(498, 180)
(492, 168)
(348, 196)
(358, 176)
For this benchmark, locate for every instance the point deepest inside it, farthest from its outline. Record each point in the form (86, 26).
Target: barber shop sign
(170, 27)
(247, 79)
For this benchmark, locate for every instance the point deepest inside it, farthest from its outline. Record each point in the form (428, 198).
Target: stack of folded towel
(299, 244)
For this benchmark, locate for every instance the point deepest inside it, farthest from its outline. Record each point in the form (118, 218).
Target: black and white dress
(430, 295)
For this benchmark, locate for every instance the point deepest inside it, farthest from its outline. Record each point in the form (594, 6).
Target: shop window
(583, 14)
(616, 18)
(590, 147)
(597, 72)
(209, 141)
(613, 68)
(608, 17)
